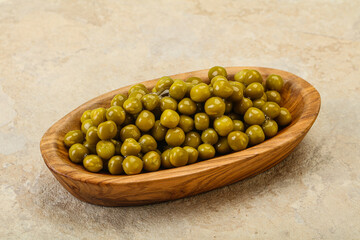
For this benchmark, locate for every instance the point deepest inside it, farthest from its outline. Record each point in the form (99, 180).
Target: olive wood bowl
(301, 98)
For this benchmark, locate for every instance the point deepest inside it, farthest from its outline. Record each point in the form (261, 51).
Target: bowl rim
(50, 142)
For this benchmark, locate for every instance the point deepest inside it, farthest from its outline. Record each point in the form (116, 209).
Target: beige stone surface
(55, 55)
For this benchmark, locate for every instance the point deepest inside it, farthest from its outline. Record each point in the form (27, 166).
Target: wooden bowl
(301, 98)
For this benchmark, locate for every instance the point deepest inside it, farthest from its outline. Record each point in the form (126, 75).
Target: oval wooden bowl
(301, 98)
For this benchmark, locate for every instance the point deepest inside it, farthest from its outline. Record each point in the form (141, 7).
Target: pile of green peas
(179, 122)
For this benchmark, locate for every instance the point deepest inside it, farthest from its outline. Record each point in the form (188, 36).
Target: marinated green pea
(117, 145)
(138, 87)
(164, 83)
(209, 136)
(192, 139)
(130, 131)
(158, 131)
(169, 118)
(90, 147)
(194, 80)
(222, 88)
(273, 96)
(270, 128)
(105, 149)
(168, 103)
(254, 116)
(118, 100)
(132, 105)
(150, 101)
(145, 120)
(98, 116)
(85, 115)
(216, 71)
(152, 161)
(237, 140)
(192, 154)
(178, 89)
(132, 165)
(201, 121)
(107, 130)
(274, 82)
(116, 114)
(189, 86)
(178, 157)
(136, 94)
(186, 123)
(254, 90)
(93, 163)
(72, 137)
(271, 109)
(238, 91)
(214, 79)
(200, 92)
(147, 143)
(77, 152)
(222, 146)
(256, 134)
(238, 125)
(165, 159)
(258, 103)
(242, 106)
(187, 106)
(115, 165)
(223, 125)
(92, 135)
(175, 137)
(284, 117)
(206, 151)
(215, 107)
(130, 147)
(86, 125)
(247, 76)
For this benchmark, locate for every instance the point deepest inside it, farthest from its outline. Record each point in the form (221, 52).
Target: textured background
(55, 55)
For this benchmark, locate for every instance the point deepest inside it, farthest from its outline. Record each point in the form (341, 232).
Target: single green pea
(258, 103)
(107, 130)
(150, 101)
(116, 114)
(92, 135)
(216, 71)
(93, 163)
(105, 149)
(192, 139)
(222, 146)
(206, 151)
(238, 91)
(137, 94)
(86, 125)
(274, 82)
(270, 128)
(138, 87)
(248, 76)
(168, 103)
(254, 90)
(145, 120)
(175, 137)
(178, 157)
(165, 159)
(118, 100)
(164, 83)
(169, 118)
(85, 115)
(130, 147)
(271, 109)
(130, 131)
(147, 143)
(209, 136)
(242, 106)
(72, 137)
(284, 117)
(237, 140)
(77, 152)
(178, 89)
(223, 89)
(158, 131)
(256, 134)
(200, 92)
(187, 106)
(90, 147)
(223, 125)
(238, 125)
(186, 123)
(194, 80)
(254, 116)
(201, 121)
(273, 96)
(98, 116)
(215, 107)
(132, 165)
(115, 165)
(152, 161)
(132, 105)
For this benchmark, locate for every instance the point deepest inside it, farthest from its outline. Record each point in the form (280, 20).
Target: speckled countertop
(55, 55)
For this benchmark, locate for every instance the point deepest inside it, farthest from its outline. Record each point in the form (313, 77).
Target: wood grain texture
(301, 98)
